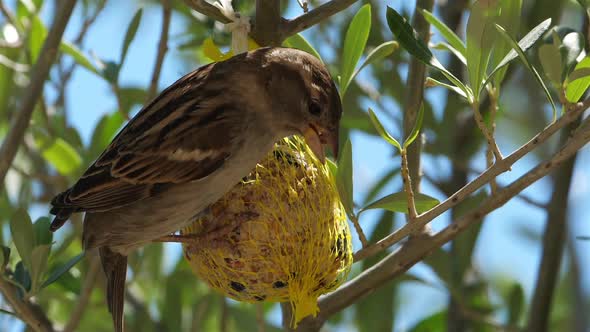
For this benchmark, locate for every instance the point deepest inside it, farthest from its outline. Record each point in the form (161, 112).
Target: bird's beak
(316, 140)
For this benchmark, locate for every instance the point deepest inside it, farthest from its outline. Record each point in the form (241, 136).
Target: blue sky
(501, 250)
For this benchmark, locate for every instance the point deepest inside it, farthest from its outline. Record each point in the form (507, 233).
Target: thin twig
(459, 196)
(407, 180)
(260, 317)
(486, 132)
(314, 16)
(25, 310)
(84, 298)
(32, 93)
(9, 16)
(359, 230)
(493, 96)
(162, 49)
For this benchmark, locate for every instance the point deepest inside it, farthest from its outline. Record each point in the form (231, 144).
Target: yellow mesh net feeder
(280, 235)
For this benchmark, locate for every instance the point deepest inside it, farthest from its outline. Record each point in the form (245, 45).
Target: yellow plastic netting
(280, 235)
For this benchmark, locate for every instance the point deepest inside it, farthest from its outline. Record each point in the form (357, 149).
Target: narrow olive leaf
(130, 35)
(398, 202)
(381, 130)
(299, 42)
(509, 19)
(417, 126)
(409, 40)
(551, 62)
(516, 304)
(37, 35)
(432, 82)
(578, 74)
(407, 36)
(354, 45)
(380, 52)
(516, 47)
(78, 56)
(480, 41)
(525, 43)
(448, 47)
(344, 180)
(448, 34)
(38, 265)
(62, 269)
(577, 87)
(41, 229)
(23, 236)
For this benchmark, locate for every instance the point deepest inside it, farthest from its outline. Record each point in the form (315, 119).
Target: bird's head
(301, 87)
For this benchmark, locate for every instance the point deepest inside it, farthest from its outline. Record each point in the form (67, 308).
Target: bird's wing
(183, 135)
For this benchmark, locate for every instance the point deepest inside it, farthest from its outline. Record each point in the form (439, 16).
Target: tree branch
(25, 310)
(317, 15)
(162, 49)
(491, 173)
(33, 91)
(84, 298)
(414, 251)
(553, 244)
(207, 9)
(267, 23)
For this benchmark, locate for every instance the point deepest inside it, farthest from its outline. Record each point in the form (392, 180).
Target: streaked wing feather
(183, 135)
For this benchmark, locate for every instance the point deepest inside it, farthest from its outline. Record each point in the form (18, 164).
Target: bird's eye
(315, 108)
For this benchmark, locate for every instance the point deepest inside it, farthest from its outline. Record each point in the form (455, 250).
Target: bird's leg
(211, 235)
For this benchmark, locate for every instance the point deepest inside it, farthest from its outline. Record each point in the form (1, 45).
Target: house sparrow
(191, 145)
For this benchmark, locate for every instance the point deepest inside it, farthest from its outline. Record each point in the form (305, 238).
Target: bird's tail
(115, 268)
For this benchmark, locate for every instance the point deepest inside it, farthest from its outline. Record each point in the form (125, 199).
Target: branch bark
(28, 312)
(314, 17)
(491, 173)
(32, 93)
(553, 245)
(162, 49)
(267, 23)
(414, 251)
(207, 9)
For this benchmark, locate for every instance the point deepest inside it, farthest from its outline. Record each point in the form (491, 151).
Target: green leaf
(578, 74)
(381, 130)
(103, 133)
(416, 129)
(433, 323)
(22, 277)
(525, 43)
(407, 36)
(509, 19)
(299, 42)
(398, 202)
(516, 47)
(480, 40)
(62, 269)
(447, 47)
(516, 303)
(130, 35)
(37, 35)
(41, 229)
(576, 88)
(448, 34)
(60, 154)
(354, 45)
(23, 236)
(432, 82)
(551, 62)
(380, 52)
(409, 40)
(4, 256)
(78, 56)
(39, 265)
(344, 180)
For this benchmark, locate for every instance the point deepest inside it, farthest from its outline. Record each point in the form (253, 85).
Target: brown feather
(115, 269)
